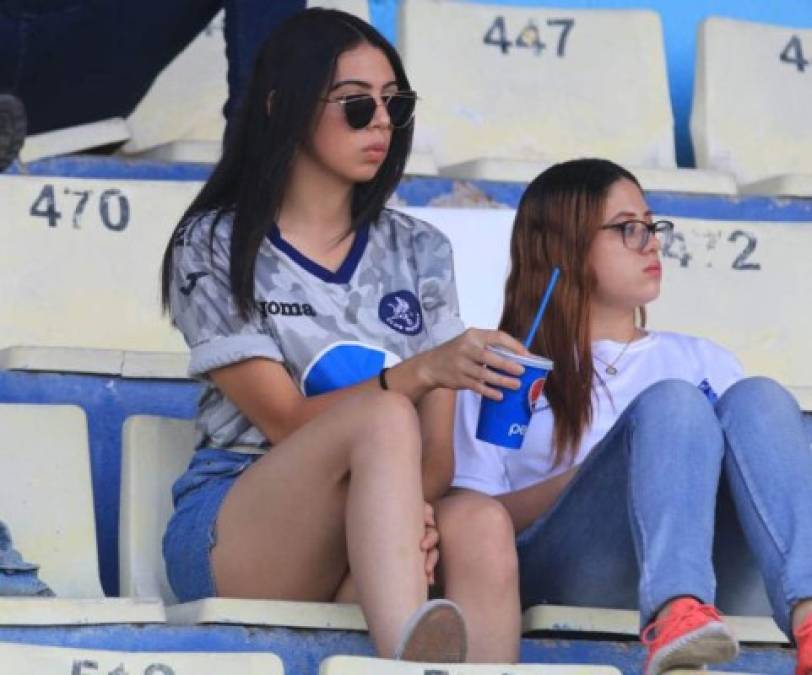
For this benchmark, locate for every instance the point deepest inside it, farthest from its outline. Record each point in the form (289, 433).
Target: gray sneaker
(12, 129)
(435, 633)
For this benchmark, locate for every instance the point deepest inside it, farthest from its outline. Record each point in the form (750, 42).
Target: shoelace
(678, 624)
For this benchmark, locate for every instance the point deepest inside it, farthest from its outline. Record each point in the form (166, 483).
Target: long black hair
(293, 70)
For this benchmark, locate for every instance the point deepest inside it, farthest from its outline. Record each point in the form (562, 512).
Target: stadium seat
(562, 619)
(80, 259)
(753, 307)
(74, 139)
(697, 181)
(360, 665)
(25, 659)
(155, 452)
(154, 365)
(46, 500)
(359, 8)
(62, 359)
(519, 88)
(180, 119)
(751, 105)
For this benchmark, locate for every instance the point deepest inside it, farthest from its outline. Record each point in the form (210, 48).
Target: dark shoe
(12, 129)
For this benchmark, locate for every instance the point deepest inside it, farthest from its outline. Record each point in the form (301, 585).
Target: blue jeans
(17, 576)
(648, 516)
(78, 61)
(190, 534)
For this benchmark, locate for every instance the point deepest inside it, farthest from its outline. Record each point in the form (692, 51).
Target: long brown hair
(558, 217)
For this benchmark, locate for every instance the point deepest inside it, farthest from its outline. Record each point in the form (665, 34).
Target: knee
(389, 416)
(676, 404)
(668, 397)
(675, 414)
(477, 540)
(760, 396)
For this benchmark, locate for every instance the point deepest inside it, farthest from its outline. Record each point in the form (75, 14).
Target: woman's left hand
(430, 544)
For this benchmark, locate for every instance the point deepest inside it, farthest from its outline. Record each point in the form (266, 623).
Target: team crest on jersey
(401, 312)
(534, 393)
(705, 388)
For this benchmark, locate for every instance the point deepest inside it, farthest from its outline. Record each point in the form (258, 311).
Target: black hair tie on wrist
(382, 379)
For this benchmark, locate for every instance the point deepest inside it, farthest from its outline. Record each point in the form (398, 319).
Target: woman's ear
(268, 102)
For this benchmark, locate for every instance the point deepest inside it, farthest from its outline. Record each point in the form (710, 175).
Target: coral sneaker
(803, 638)
(691, 634)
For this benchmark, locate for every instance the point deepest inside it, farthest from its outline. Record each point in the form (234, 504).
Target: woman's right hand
(466, 363)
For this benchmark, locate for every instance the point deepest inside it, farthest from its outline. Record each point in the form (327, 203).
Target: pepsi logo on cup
(517, 430)
(534, 393)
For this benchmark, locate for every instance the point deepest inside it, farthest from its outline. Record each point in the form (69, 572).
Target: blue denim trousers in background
(78, 61)
(17, 576)
(678, 493)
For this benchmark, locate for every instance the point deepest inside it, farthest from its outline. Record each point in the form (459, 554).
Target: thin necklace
(610, 367)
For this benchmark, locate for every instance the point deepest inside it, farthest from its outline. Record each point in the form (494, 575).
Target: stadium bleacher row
(63, 541)
(92, 377)
(521, 87)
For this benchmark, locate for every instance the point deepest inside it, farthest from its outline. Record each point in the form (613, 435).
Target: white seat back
(25, 659)
(155, 452)
(46, 496)
(185, 103)
(536, 83)
(562, 618)
(358, 7)
(79, 262)
(360, 665)
(752, 99)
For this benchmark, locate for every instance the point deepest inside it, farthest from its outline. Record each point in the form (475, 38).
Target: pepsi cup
(505, 422)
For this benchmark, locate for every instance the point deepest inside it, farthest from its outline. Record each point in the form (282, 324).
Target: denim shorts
(190, 534)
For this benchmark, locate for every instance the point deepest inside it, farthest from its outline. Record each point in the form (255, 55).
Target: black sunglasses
(359, 109)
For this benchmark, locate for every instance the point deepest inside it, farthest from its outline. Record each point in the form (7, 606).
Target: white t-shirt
(657, 356)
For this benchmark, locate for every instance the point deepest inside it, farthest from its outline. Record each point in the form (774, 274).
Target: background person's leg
(248, 24)
(12, 128)
(78, 61)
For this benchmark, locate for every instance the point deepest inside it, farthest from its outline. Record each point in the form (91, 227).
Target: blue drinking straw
(542, 306)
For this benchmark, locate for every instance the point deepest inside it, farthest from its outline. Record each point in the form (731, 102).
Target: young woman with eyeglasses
(648, 445)
(326, 330)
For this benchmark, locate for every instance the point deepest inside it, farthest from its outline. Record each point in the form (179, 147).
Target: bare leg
(346, 592)
(480, 571)
(342, 491)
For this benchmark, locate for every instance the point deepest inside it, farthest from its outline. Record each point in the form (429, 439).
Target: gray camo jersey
(393, 297)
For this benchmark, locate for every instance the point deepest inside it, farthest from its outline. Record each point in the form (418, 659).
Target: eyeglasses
(637, 233)
(359, 109)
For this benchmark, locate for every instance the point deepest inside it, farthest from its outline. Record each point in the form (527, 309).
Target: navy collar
(343, 274)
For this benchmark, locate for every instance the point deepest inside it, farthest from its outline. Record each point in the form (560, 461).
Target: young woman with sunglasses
(326, 330)
(648, 444)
